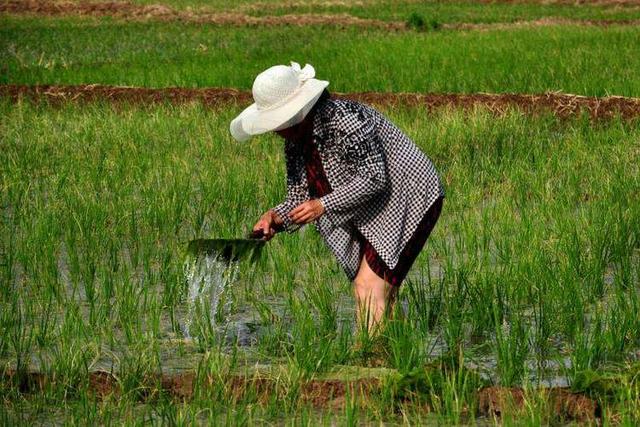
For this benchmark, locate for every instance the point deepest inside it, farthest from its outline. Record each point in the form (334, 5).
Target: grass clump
(417, 22)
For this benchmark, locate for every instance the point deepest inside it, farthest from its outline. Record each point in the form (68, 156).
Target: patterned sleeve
(297, 190)
(362, 148)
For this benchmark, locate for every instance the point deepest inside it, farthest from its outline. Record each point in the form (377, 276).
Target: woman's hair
(323, 97)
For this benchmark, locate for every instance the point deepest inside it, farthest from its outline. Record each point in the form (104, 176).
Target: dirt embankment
(129, 11)
(496, 401)
(321, 393)
(563, 105)
(611, 3)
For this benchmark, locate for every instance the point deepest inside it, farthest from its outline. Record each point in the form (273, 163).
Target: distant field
(439, 11)
(581, 60)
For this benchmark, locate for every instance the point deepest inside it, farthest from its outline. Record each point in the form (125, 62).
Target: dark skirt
(319, 186)
(408, 254)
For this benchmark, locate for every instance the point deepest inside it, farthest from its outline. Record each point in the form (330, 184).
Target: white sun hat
(283, 96)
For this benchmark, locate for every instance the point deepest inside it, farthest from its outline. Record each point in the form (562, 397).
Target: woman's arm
(297, 188)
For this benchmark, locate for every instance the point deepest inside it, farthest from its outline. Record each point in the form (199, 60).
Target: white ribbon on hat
(304, 74)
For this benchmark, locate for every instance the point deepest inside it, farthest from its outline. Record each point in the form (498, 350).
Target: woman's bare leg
(373, 296)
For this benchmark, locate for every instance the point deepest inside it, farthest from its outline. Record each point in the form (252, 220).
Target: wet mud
(493, 401)
(562, 105)
(130, 11)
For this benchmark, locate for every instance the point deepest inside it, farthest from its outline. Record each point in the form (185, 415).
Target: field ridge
(318, 392)
(561, 104)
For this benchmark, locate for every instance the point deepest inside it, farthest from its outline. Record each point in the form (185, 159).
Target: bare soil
(542, 22)
(562, 105)
(267, 4)
(495, 401)
(329, 394)
(612, 3)
(130, 11)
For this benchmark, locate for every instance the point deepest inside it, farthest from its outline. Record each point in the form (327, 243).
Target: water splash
(208, 278)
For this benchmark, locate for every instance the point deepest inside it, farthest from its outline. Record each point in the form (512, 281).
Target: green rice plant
(211, 374)
(21, 337)
(342, 345)
(206, 333)
(481, 306)
(273, 341)
(454, 317)
(534, 410)
(311, 345)
(239, 417)
(543, 327)
(45, 321)
(457, 395)
(167, 411)
(512, 415)
(89, 409)
(323, 298)
(588, 347)
(405, 345)
(136, 371)
(629, 409)
(68, 365)
(351, 409)
(447, 389)
(622, 325)
(369, 342)
(7, 259)
(425, 301)
(511, 349)
(130, 297)
(286, 399)
(6, 326)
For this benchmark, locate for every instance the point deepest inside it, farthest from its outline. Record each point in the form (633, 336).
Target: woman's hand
(307, 212)
(267, 223)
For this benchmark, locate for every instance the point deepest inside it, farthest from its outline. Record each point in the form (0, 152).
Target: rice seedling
(535, 260)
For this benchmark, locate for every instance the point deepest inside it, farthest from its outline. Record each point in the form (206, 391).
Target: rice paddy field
(521, 310)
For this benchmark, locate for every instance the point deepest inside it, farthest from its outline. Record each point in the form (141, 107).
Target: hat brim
(253, 121)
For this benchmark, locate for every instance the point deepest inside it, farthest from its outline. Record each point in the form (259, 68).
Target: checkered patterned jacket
(382, 182)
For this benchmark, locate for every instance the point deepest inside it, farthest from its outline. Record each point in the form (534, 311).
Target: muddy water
(210, 283)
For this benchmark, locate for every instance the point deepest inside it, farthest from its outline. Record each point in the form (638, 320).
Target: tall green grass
(534, 259)
(581, 60)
